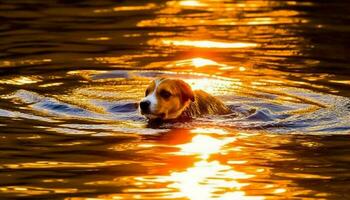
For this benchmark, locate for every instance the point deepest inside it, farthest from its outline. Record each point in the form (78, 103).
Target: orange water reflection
(127, 8)
(22, 80)
(202, 163)
(222, 13)
(208, 179)
(204, 43)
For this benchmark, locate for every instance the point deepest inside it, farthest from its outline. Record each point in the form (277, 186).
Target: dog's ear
(186, 90)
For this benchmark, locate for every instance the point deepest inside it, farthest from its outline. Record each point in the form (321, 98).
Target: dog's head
(166, 99)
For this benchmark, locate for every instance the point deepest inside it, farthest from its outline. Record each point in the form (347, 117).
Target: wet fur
(204, 104)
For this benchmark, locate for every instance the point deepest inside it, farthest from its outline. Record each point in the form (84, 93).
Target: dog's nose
(144, 105)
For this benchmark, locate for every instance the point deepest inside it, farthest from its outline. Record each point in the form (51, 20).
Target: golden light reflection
(50, 85)
(202, 164)
(208, 179)
(209, 131)
(22, 80)
(213, 86)
(223, 13)
(279, 190)
(345, 82)
(52, 164)
(204, 145)
(98, 38)
(200, 62)
(242, 69)
(124, 61)
(31, 190)
(205, 178)
(135, 8)
(192, 3)
(196, 182)
(205, 43)
(24, 62)
(173, 21)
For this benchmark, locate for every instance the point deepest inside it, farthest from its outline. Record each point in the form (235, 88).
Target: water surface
(72, 71)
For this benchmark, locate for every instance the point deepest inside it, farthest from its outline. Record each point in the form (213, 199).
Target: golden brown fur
(205, 104)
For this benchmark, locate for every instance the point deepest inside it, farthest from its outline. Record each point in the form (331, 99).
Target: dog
(169, 99)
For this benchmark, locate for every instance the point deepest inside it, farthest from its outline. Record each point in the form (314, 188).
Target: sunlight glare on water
(207, 44)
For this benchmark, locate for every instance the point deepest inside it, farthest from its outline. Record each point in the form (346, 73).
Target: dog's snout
(144, 105)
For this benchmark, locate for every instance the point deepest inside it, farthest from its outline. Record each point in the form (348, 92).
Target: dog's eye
(147, 92)
(165, 94)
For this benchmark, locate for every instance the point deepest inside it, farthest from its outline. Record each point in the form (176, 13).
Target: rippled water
(72, 71)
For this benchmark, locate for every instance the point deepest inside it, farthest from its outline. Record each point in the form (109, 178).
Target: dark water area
(72, 71)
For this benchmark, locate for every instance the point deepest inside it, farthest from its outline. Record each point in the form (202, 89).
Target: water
(72, 71)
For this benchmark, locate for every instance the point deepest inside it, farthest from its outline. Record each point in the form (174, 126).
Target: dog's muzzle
(145, 107)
